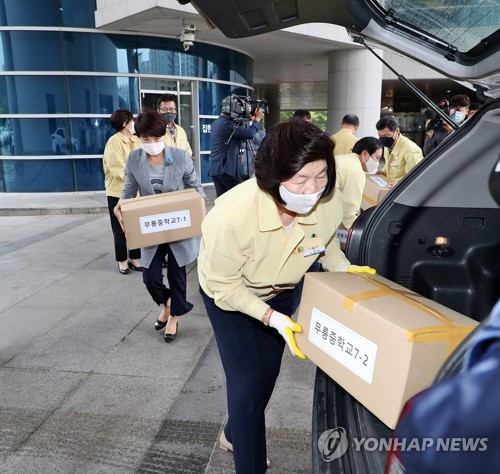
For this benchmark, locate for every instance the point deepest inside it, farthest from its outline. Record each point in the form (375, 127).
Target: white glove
(287, 328)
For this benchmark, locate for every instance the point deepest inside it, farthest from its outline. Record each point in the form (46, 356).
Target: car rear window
(463, 24)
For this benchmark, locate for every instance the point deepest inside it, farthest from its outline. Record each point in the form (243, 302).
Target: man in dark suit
(226, 135)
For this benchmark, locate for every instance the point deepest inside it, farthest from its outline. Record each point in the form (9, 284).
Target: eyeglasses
(168, 109)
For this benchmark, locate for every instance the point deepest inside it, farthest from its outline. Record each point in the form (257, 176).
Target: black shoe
(160, 324)
(171, 337)
(133, 267)
(123, 271)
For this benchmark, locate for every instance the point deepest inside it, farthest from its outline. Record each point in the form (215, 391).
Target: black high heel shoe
(133, 267)
(171, 337)
(123, 271)
(161, 324)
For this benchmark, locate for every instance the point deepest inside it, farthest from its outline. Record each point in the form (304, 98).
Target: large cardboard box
(376, 188)
(152, 220)
(380, 342)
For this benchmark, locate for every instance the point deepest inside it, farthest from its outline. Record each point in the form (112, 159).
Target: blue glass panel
(2, 187)
(100, 52)
(31, 12)
(102, 95)
(91, 134)
(79, 13)
(37, 136)
(30, 51)
(32, 95)
(166, 56)
(38, 176)
(205, 138)
(211, 95)
(89, 174)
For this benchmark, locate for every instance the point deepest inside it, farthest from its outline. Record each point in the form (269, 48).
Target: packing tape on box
(446, 332)
(369, 200)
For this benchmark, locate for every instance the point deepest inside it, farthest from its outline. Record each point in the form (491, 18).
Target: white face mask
(154, 148)
(131, 128)
(371, 166)
(299, 203)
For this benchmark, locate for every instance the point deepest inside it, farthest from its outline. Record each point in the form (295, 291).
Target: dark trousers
(223, 183)
(177, 280)
(251, 356)
(119, 235)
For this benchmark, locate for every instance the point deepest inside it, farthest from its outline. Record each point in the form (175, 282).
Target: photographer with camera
(237, 121)
(435, 128)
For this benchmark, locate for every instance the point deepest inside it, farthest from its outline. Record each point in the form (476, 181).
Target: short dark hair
(119, 117)
(302, 114)
(387, 122)
(287, 147)
(150, 123)
(351, 119)
(370, 144)
(460, 100)
(166, 98)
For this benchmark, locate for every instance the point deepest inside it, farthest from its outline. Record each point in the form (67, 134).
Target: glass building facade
(60, 79)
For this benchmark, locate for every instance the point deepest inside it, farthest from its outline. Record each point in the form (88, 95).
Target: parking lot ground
(87, 384)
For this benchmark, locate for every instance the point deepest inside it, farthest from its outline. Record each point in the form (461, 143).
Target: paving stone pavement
(87, 385)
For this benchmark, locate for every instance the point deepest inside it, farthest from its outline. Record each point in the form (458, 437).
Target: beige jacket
(114, 159)
(246, 255)
(179, 140)
(351, 181)
(402, 158)
(344, 141)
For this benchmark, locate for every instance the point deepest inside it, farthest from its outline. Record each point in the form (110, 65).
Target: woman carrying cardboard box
(154, 169)
(258, 241)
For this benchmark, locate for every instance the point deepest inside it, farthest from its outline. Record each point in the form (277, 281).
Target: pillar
(354, 87)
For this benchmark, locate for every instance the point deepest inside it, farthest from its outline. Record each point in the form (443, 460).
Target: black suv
(438, 231)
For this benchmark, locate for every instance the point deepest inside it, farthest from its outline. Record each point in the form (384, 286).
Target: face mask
(387, 141)
(371, 166)
(170, 117)
(131, 128)
(154, 148)
(458, 116)
(299, 203)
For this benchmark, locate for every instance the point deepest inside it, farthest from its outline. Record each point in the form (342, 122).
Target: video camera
(240, 108)
(435, 121)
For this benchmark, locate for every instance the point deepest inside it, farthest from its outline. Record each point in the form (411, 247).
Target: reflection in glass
(102, 53)
(91, 134)
(32, 95)
(37, 176)
(31, 12)
(54, 136)
(89, 174)
(28, 51)
(102, 95)
(77, 14)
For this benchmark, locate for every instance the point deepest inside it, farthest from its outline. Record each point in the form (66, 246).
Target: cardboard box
(152, 220)
(380, 342)
(376, 188)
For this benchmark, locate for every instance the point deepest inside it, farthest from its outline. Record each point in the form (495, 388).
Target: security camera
(188, 36)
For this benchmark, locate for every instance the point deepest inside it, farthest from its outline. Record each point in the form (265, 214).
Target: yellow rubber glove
(287, 328)
(360, 269)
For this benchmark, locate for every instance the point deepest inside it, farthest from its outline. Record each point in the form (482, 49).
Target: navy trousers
(251, 357)
(177, 281)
